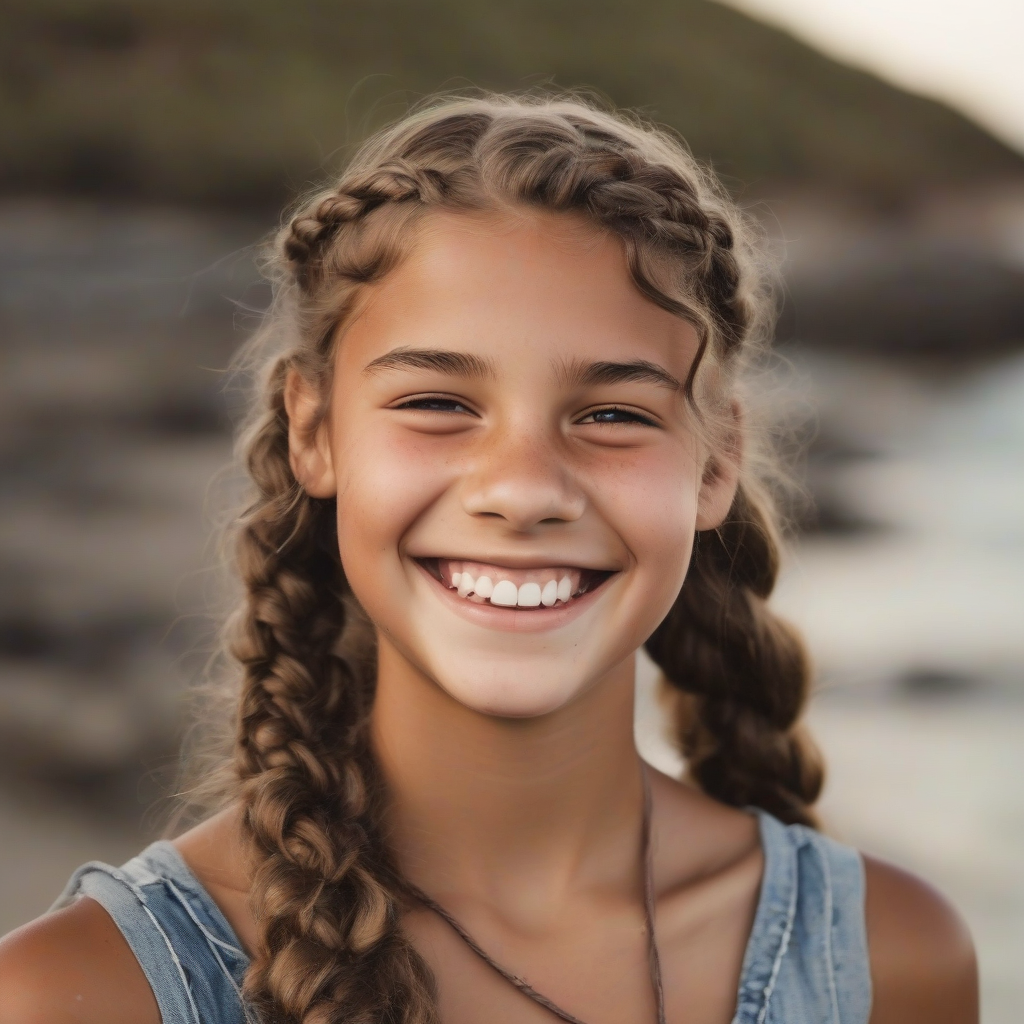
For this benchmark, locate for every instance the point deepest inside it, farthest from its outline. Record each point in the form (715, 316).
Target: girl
(502, 448)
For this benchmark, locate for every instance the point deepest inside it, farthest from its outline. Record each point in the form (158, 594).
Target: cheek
(651, 500)
(385, 482)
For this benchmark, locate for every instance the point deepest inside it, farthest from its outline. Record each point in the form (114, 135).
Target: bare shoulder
(214, 853)
(697, 835)
(73, 967)
(923, 966)
(715, 828)
(213, 848)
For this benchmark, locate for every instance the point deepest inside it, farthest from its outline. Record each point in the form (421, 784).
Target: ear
(721, 476)
(309, 452)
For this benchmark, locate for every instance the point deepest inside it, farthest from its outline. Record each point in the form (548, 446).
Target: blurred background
(148, 145)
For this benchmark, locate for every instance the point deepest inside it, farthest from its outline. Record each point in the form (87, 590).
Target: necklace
(524, 986)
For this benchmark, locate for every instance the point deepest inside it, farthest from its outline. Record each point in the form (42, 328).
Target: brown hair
(325, 894)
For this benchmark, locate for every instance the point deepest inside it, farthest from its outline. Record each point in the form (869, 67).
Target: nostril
(522, 503)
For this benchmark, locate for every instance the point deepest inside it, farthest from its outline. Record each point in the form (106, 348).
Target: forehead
(522, 289)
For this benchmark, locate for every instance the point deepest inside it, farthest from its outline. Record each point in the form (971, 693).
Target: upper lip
(520, 562)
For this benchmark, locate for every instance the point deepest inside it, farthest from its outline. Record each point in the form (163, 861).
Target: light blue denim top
(806, 960)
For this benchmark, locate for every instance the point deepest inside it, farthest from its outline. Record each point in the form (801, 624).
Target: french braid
(744, 670)
(325, 895)
(320, 892)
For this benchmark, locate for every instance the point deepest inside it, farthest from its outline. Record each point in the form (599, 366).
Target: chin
(503, 693)
(511, 674)
(509, 663)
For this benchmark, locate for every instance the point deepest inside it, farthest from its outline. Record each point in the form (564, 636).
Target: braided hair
(325, 894)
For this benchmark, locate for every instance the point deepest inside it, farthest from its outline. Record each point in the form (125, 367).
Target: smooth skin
(507, 742)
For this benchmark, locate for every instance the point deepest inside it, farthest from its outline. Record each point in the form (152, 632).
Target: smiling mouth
(504, 587)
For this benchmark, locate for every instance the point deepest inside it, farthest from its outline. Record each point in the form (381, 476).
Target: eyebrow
(582, 374)
(452, 364)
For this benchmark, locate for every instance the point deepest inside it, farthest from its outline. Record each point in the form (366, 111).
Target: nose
(520, 476)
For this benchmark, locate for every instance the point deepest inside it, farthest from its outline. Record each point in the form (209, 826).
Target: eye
(435, 403)
(617, 415)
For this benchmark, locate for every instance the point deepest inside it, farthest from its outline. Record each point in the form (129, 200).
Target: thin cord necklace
(528, 990)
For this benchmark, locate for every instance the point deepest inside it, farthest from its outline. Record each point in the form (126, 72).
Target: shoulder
(698, 838)
(215, 854)
(73, 967)
(923, 967)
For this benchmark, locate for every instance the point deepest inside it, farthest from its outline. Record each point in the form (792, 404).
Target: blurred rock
(942, 280)
(117, 326)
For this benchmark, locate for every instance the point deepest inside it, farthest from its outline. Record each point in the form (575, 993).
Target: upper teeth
(506, 594)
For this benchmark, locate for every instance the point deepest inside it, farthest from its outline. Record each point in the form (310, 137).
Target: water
(937, 585)
(918, 629)
(913, 608)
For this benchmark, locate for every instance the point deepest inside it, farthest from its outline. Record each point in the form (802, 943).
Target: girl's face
(518, 482)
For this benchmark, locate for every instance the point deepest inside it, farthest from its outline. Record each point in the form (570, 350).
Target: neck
(492, 805)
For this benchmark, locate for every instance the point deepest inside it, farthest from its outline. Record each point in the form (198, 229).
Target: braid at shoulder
(744, 671)
(323, 894)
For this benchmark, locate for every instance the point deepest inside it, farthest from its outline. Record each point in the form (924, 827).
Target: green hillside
(241, 101)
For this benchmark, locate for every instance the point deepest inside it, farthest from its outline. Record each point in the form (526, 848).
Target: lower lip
(514, 620)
